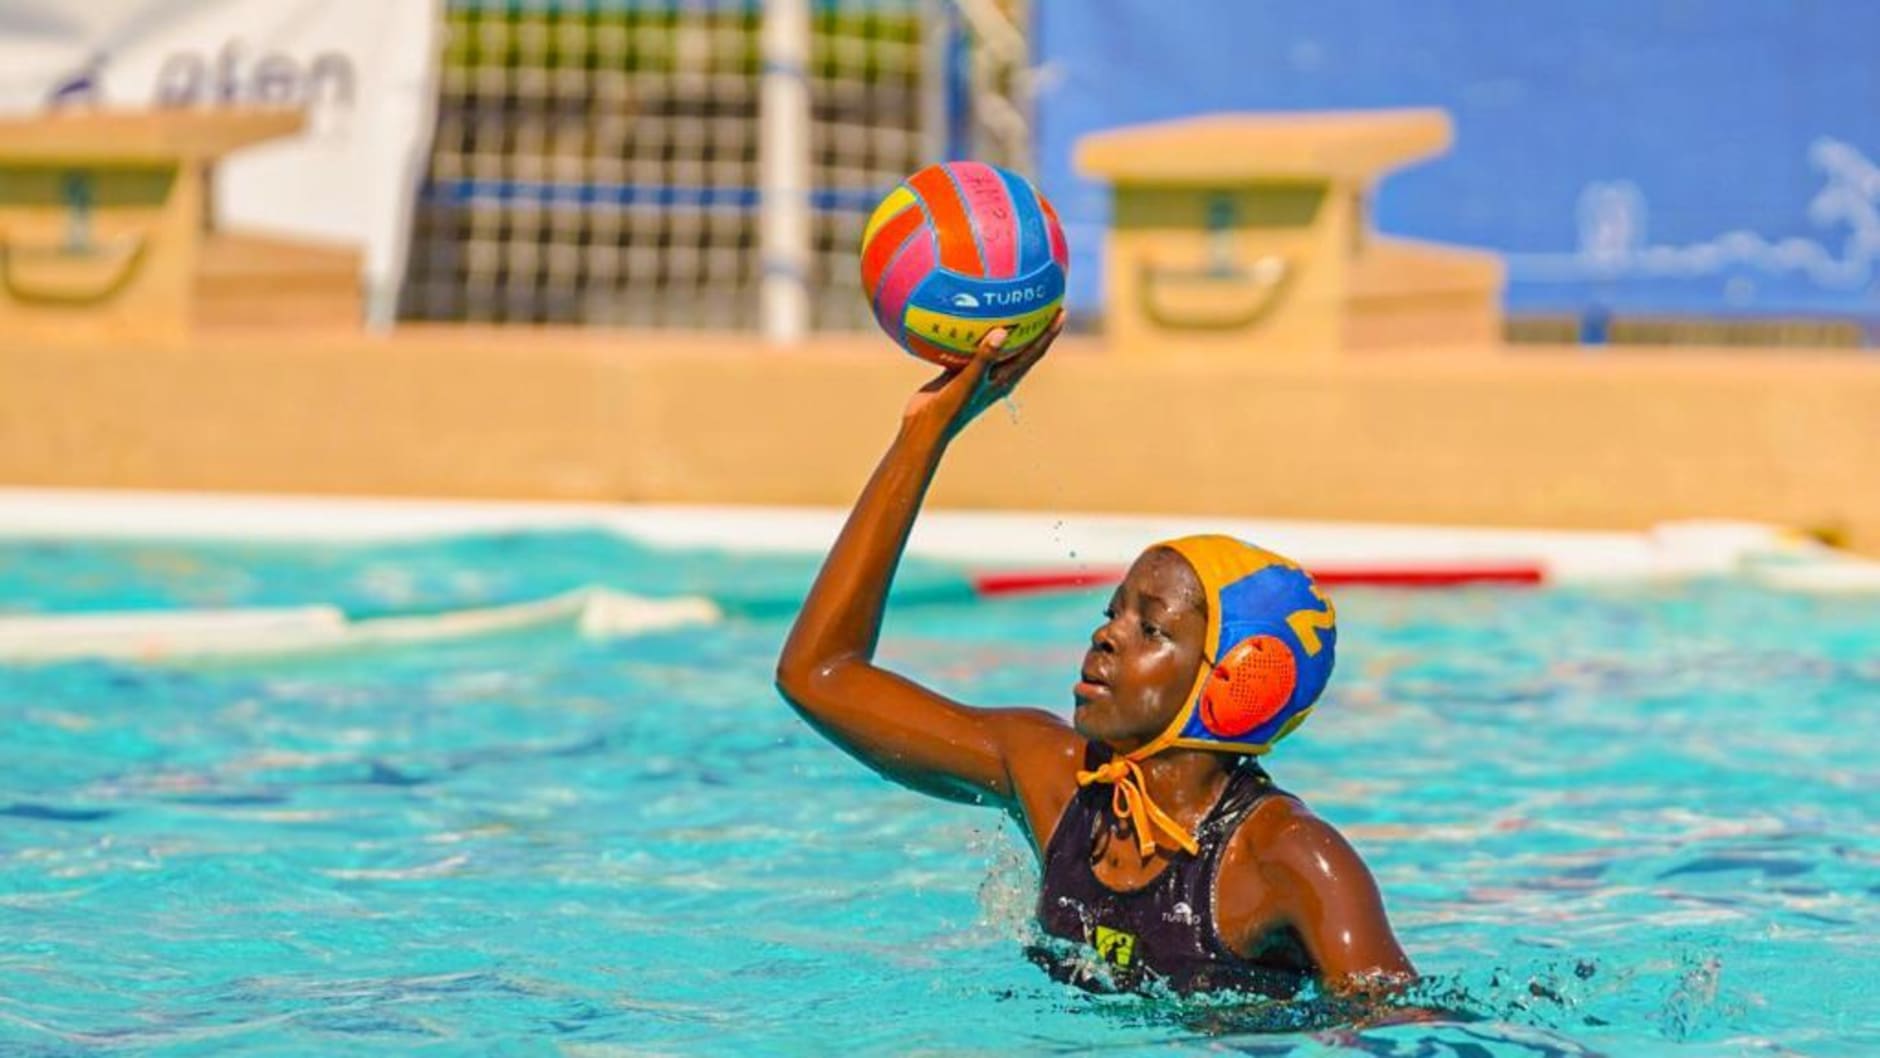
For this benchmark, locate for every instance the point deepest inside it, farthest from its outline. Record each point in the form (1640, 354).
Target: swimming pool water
(1635, 821)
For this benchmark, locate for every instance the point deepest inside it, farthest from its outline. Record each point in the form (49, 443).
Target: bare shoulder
(1042, 756)
(1036, 743)
(1284, 819)
(1283, 854)
(1285, 835)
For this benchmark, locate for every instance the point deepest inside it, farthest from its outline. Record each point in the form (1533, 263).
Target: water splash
(1008, 894)
(1693, 1007)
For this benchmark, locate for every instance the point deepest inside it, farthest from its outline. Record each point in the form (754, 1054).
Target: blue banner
(1677, 156)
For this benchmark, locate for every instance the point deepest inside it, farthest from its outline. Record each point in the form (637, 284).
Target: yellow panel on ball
(961, 333)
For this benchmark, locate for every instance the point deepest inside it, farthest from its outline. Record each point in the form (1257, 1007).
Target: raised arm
(901, 729)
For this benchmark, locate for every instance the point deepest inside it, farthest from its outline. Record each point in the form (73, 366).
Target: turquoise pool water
(1624, 821)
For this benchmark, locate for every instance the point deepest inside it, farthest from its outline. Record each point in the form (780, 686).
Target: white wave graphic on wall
(1613, 218)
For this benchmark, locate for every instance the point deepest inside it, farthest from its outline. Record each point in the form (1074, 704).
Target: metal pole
(936, 52)
(783, 158)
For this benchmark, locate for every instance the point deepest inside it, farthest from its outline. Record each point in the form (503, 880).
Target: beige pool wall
(1290, 363)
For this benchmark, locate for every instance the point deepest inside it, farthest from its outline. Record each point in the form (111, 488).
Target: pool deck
(983, 541)
(1554, 438)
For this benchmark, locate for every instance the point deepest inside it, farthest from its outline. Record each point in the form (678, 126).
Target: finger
(973, 365)
(1051, 333)
(1041, 344)
(1012, 371)
(974, 370)
(1006, 374)
(991, 343)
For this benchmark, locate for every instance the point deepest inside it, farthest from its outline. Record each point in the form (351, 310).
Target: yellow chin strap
(1130, 801)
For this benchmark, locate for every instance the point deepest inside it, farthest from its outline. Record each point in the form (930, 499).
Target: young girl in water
(1164, 847)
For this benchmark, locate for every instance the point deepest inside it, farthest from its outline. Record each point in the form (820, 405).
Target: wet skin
(1290, 890)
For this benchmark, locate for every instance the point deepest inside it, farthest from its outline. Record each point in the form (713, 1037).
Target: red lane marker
(1025, 582)
(1019, 582)
(1431, 576)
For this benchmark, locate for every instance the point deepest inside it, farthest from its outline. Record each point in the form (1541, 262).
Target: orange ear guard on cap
(1249, 686)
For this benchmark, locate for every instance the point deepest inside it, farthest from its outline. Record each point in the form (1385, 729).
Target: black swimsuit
(1163, 932)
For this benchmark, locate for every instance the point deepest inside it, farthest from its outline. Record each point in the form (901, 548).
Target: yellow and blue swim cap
(1271, 639)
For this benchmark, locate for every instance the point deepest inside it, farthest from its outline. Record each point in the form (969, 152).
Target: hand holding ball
(958, 249)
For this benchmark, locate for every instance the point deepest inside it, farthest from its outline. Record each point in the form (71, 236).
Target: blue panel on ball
(970, 297)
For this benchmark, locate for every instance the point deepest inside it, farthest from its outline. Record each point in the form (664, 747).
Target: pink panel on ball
(914, 264)
(989, 205)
